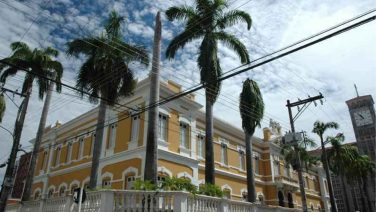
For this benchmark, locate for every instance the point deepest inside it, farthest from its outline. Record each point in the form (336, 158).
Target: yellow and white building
(64, 159)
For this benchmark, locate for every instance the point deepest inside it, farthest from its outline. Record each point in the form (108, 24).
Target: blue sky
(331, 67)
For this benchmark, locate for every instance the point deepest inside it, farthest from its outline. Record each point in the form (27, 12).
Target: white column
(181, 202)
(223, 207)
(107, 201)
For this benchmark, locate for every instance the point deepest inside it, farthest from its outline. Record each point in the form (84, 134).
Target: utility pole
(305, 103)
(8, 178)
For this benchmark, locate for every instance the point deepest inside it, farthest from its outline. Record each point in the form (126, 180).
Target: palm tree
(362, 167)
(2, 107)
(339, 158)
(207, 21)
(39, 64)
(291, 157)
(251, 106)
(106, 74)
(151, 160)
(319, 128)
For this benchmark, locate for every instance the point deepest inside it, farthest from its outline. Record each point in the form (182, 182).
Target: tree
(306, 160)
(40, 64)
(319, 128)
(251, 106)
(151, 159)
(339, 158)
(361, 167)
(207, 22)
(106, 74)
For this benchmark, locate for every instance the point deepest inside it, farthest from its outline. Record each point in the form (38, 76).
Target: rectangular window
(57, 156)
(135, 127)
(80, 148)
(45, 160)
(184, 135)
(256, 162)
(241, 160)
(69, 152)
(224, 154)
(287, 170)
(201, 146)
(162, 127)
(112, 138)
(106, 182)
(276, 168)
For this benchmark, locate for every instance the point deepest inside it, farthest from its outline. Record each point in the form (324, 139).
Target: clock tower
(362, 114)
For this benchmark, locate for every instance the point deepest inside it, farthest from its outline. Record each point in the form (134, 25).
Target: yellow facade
(64, 160)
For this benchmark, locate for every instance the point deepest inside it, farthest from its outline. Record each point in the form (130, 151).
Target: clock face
(363, 117)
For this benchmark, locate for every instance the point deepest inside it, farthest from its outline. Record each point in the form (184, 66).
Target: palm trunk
(38, 141)
(151, 157)
(301, 182)
(328, 178)
(251, 188)
(97, 144)
(345, 193)
(365, 189)
(209, 153)
(364, 205)
(9, 174)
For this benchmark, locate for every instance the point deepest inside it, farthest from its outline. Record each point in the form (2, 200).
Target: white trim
(165, 170)
(185, 174)
(35, 191)
(129, 170)
(107, 174)
(60, 186)
(184, 120)
(165, 111)
(74, 182)
(86, 180)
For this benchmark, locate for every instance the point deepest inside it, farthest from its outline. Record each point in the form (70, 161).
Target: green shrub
(145, 185)
(210, 190)
(178, 184)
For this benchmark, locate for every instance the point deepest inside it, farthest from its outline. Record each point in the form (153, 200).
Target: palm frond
(50, 52)
(20, 45)
(56, 67)
(181, 40)
(234, 17)
(181, 13)
(85, 46)
(132, 52)
(2, 107)
(251, 106)
(113, 25)
(233, 43)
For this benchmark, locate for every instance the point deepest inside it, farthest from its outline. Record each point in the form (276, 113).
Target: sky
(330, 67)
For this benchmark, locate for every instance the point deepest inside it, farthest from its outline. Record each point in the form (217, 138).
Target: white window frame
(130, 182)
(58, 156)
(45, 161)
(92, 143)
(163, 130)
(256, 158)
(112, 139)
(276, 164)
(69, 151)
(224, 154)
(81, 145)
(184, 135)
(200, 146)
(287, 170)
(135, 123)
(242, 163)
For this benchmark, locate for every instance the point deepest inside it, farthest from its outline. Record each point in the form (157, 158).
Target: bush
(210, 190)
(178, 184)
(144, 185)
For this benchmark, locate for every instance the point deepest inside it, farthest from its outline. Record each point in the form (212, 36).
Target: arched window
(62, 191)
(319, 208)
(227, 193)
(73, 187)
(129, 179)
(244, 195)
(281, 201)
(260, 198)
(311, 206)
(106, 182)
(290, 200)
(37, 195)
(51, 192)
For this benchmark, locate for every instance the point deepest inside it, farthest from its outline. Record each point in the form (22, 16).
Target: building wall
(125, 158)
